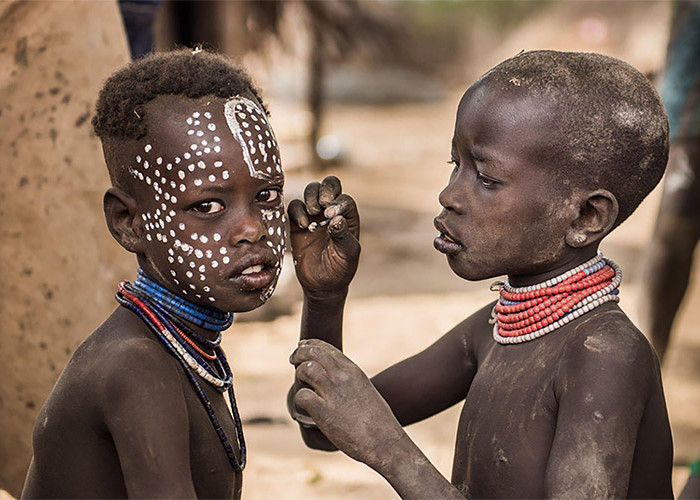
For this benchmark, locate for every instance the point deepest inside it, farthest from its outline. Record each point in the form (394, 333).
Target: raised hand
(325, 232)
(344, 404)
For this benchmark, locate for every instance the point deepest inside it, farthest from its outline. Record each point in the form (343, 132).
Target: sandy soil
(403, 298)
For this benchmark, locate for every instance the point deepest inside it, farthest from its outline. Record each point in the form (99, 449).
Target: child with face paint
(562, 395)
(196, 195)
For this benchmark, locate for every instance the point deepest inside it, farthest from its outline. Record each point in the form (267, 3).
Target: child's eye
(268, 195)
(485, 181)
(454, 163)
(208, 207)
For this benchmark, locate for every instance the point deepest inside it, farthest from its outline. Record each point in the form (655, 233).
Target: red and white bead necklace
(526, 313)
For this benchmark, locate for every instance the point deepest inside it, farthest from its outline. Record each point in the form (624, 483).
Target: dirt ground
(403, 298)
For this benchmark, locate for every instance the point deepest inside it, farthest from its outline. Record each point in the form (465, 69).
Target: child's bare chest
(212, 473)
(507, 424)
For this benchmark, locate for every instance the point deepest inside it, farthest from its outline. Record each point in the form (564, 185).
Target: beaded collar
(165, 314)
(526, 313)
(206, 317)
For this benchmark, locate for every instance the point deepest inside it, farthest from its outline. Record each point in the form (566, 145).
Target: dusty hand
(326, 258)
(343, 403)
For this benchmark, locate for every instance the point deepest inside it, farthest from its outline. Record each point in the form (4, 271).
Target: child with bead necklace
(562, 394)
(196, 194)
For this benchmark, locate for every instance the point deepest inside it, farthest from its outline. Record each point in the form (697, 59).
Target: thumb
(345, 242)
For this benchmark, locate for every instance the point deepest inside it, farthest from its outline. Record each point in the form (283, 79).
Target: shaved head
(611, 127)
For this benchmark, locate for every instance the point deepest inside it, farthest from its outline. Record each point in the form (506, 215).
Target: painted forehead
(197, 140)
(250, 127)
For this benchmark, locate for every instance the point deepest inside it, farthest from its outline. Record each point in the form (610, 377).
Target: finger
(308, 350)
(308, 401)
(329, 351)
(312, 374)
(343, 205)
(311, 198)
(297, 214)
(347, 246)
(314, 342)
(318, 351)
(330, 189)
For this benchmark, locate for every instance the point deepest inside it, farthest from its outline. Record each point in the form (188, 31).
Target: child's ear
(596, 218)
(121, 212)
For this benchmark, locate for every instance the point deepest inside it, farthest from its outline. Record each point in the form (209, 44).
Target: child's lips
(254, 277)
(444, 242)
(254, 272)
(446, 245)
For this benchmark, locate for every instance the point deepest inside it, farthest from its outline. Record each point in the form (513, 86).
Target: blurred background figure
(668, 259)
(139, 16)
(336, 29)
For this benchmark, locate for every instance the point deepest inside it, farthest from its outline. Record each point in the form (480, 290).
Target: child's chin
(470, 272)
(248, 302)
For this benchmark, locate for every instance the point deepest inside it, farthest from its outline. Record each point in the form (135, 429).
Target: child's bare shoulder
(607, 346)
(476, 331)
(609, 332)
(121, 356)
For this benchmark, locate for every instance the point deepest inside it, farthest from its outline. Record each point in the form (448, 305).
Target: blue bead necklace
(206, 317)
(164, 318)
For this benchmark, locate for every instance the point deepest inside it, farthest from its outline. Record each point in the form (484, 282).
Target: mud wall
(58, 263)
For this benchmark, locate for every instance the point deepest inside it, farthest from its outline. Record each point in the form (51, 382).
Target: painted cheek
(274, 224)
(190, 256)
(249, 126)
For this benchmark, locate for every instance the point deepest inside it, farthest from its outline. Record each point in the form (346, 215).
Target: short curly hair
(120, 105)
(612, 125)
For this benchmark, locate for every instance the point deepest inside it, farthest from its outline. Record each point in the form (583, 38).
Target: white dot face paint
(237, 111)
(202, 267)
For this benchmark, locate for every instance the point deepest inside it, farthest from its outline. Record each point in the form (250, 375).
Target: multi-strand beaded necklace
(165, 314)
(526, 313)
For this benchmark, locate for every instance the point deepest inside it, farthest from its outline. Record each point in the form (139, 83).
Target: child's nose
(451, 199)
(248, 228)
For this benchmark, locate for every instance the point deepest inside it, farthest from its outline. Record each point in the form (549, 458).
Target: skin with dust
(577, 413)
(207, 222)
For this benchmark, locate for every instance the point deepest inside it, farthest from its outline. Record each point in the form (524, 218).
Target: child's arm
(350, 411)
(325, 261)
(145, 414)
(603, 385)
